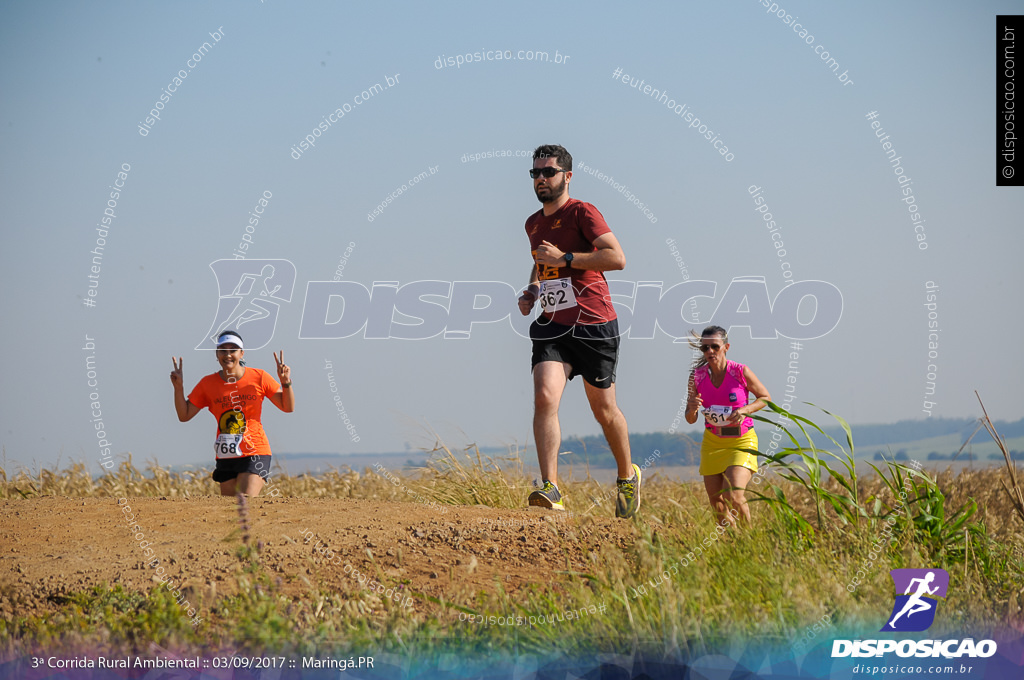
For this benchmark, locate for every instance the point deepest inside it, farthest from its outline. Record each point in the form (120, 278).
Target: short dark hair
(556, 151)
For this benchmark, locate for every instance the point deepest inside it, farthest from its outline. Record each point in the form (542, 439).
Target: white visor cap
(229, 337)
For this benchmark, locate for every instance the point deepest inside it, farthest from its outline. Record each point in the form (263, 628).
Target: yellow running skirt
(718, 453)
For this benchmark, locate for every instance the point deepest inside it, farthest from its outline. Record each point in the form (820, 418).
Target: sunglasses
(705, 348)
(545, 172)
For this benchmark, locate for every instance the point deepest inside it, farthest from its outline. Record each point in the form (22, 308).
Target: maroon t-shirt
(573, 229)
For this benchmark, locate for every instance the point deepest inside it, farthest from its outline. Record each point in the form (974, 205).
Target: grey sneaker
(547, 497)
(627, 502)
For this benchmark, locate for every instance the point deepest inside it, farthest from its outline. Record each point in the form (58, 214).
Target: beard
(553, 191)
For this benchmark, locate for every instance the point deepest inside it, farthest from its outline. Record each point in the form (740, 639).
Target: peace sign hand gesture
(177, 379)
(285, 399)
(284, 372)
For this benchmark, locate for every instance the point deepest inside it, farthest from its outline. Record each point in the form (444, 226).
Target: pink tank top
(732, 392)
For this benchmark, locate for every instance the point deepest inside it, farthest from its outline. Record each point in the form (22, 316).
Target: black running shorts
(592, 350)
(230, 468)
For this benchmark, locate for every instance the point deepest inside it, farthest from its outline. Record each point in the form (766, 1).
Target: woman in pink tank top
(721, 389)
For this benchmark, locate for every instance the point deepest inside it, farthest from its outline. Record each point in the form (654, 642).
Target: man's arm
(531, 293)
(607, 257)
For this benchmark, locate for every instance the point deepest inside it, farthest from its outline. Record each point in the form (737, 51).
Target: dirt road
(51, 546)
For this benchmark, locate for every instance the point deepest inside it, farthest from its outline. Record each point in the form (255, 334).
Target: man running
(578, 333)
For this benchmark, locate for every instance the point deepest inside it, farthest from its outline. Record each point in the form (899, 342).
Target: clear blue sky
(77, 79)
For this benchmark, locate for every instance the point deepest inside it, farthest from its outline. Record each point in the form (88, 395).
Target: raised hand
(284, 372)
(177, 379)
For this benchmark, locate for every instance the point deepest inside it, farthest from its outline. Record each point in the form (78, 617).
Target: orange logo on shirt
(545, 272)
(557, 224)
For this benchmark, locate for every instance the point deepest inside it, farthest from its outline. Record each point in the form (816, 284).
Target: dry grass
(468, 478)
(680, 584)
(1012, 485)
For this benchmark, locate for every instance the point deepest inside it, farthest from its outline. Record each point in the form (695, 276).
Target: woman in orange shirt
(234, 396)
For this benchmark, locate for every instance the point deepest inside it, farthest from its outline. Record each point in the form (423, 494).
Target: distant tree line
(683, 448)
(672, 449)
(901, 455)
(913, 430)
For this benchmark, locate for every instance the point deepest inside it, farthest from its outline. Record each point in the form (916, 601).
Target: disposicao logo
(251, 295)
(917, 596)
(915, 611)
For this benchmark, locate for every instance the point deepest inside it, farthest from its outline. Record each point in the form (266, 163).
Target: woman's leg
(250, 484)
(228, 488)
(713, 484)
(736, 479)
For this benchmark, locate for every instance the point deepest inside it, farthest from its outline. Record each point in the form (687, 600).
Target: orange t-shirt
(237, 406)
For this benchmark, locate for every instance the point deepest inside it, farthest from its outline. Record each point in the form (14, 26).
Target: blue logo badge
(921, 589)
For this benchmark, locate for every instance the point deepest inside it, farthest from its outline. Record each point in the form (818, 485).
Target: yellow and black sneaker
(627, 502)
(547, 497)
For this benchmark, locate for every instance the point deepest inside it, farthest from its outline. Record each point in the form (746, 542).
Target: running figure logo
(250, 296)
(914, 610)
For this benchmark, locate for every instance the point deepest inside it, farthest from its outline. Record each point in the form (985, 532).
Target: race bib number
(227, 445)
(557, 294)
(718, 415)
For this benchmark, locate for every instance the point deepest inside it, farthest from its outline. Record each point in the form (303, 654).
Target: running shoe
(547, 497)
(627, 502)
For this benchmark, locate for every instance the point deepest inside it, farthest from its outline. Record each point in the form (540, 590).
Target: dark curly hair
(556, 151)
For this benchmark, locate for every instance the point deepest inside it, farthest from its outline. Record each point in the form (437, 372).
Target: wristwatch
(568, 259)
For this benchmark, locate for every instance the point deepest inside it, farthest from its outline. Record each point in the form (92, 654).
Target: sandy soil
(51, 546)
